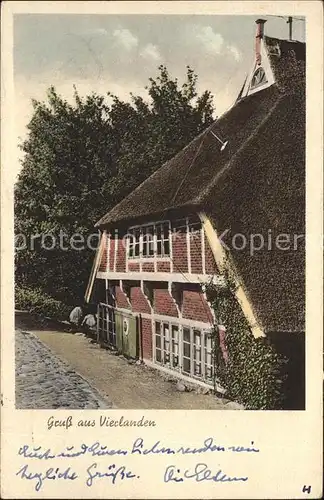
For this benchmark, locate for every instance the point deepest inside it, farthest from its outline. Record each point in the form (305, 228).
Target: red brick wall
(147, 338)
(111, 254)
(179, 250)
(163, 267)
(139, 301)
(163, 302)
(103, 262)
(133, 266)
(194, 305)
(148, 267)
(121, 255)
(210, 264)
(196, 252)
(121, 299)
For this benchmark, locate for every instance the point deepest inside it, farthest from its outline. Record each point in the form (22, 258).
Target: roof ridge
(267, 37)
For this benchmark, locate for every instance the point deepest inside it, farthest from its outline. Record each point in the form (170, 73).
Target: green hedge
(36, 301)
(254, 373)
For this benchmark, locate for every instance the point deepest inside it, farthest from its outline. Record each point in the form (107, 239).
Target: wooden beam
(167, 277)
(224, 264)
(95, 266)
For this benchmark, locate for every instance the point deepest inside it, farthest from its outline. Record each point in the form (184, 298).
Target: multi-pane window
(107, 324)
(167, 344)
(163, 240)
(185, 349)
(149, 241)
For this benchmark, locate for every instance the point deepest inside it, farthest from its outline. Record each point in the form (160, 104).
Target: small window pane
(158, 355)
(145, 250)
(186, 365)
(166, 231)
(158, 341)
(208, 357)
(159, 248)
(166, 247)
(175, 333)
(158, 231)
(157, 328)
(186, 349)
(175, 340)
(197, 369)
(166, 330)
(166, 334)
(208, 342)
(197, 334)
(151, 248)
(186, 334)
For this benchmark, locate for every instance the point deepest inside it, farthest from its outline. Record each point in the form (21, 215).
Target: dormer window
(259, 78)
(261, 75)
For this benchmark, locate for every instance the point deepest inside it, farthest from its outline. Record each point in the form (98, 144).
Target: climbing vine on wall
(252, 372)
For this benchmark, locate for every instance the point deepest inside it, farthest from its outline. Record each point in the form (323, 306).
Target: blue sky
(118, 53)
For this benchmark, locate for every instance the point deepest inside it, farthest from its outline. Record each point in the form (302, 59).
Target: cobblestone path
(43, 381)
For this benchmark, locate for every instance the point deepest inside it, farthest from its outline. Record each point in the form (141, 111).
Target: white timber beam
(223, 264)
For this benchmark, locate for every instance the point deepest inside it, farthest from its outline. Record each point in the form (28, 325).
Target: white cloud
(126, 38)
(151, 51)
(235, 52)
(99, 31)
(212, 42)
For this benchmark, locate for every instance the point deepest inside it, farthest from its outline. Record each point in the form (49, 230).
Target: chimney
(258, 37)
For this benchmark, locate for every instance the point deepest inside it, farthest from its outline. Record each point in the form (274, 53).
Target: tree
(83, 158)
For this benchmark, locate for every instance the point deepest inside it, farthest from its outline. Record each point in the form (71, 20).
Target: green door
(127, 338)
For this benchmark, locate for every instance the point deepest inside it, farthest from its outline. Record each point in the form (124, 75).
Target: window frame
(205, 362)
(142, 242)
(260, 84)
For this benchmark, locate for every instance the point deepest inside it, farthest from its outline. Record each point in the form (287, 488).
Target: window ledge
(148, 259)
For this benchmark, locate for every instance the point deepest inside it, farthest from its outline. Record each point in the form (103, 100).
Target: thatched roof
(256, 185)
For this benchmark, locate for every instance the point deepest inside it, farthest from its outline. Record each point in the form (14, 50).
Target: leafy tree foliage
(83, 158)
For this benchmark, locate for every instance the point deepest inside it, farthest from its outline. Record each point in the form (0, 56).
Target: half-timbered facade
(156, 271)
